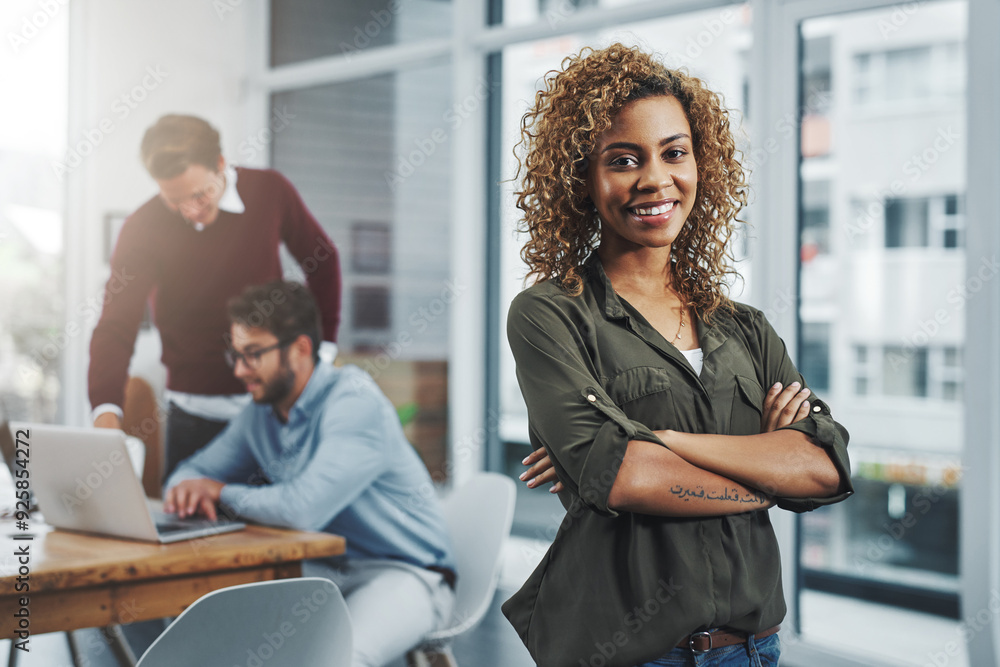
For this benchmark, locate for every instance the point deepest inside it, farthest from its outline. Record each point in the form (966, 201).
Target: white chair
(479, 515)
(284, 623)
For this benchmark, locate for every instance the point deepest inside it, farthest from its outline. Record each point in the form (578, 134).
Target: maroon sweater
(189, 275)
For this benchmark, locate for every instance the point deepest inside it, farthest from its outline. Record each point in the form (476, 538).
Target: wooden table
(81, 581)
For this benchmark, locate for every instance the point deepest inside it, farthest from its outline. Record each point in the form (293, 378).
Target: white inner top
(695, 358)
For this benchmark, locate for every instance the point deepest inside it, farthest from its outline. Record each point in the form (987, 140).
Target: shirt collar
(613, 308)
(710, 336)
(322, 375)
(230, 201)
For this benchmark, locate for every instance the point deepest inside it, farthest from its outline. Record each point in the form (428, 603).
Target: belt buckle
(697, 635)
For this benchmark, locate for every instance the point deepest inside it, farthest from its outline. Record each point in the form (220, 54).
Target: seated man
(321, 448)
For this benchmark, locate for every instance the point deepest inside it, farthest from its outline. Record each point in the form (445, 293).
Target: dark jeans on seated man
(186, 434)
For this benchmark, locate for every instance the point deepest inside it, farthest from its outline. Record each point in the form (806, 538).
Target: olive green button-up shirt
(619, 588)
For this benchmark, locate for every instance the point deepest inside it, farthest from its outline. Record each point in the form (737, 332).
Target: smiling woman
(670, 442)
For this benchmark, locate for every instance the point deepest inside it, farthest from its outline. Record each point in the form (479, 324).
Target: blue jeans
(763, 653)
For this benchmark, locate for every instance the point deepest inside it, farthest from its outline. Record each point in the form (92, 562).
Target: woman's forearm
(654, 480)
(780, 463)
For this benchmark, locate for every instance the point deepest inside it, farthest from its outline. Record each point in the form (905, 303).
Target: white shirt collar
(230, 201)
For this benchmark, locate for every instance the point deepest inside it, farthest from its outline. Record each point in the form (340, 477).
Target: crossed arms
(710, 475)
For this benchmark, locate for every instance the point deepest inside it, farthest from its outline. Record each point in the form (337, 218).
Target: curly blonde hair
(576, 105)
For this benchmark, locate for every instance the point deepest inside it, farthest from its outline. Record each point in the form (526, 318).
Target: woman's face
(642, 175)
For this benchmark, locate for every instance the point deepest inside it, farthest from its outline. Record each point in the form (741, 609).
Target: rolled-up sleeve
(819, 425)
(569, 413)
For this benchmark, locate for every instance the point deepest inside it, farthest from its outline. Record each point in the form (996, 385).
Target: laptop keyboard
(165, 524)
(167, 527)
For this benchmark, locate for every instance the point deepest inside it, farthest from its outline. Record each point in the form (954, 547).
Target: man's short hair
(175, 142)
(286, 309)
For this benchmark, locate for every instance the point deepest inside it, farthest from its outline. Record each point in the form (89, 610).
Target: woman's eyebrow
(635, 147)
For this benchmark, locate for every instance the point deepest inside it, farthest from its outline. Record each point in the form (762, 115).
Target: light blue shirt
(341, 464)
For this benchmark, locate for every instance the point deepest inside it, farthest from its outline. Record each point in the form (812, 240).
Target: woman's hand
(541, 471)
(784, 406)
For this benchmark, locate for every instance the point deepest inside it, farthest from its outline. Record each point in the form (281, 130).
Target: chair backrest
(479, 516)
(141, 418)
(284, 623)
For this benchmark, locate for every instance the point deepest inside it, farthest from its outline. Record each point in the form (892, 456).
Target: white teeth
(656, 210)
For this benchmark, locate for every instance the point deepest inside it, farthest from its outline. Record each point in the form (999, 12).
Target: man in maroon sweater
(212, 231)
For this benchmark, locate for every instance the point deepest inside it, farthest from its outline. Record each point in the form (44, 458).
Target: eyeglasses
(198, 199)
(252, 358)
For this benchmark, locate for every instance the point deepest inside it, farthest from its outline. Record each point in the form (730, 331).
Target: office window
(814, 355)
(303, 30)
(372, 159)
(904, 371)
(925, 222)
(891, 321)
(815, 219)
(933, 372)
(371, 247)
(865, 374)
(370, 307)
(948, 220)
(915, 73)
(36, 324)
(906, 223)
(397, 183)
(817, 83)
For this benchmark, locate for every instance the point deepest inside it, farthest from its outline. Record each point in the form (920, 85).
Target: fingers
(535, 456)
(207, 508)
(770, 396)
(181, 494)
(802, 412)
(539, 473)
(194, 499)
(169, 504)
(546, 477)
(190, 498)
(784, 406)
(796, 404)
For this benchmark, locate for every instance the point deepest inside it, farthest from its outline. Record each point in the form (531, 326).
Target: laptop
(83, 480)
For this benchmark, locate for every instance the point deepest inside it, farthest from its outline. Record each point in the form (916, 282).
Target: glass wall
(371, 159)
(883, 293)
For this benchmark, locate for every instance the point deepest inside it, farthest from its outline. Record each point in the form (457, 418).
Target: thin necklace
(681, 326)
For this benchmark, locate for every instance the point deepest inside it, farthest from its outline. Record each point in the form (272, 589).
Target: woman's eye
(623, 161)
(675, 153)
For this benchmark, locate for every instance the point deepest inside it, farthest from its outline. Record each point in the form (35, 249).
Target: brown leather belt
(703, 642)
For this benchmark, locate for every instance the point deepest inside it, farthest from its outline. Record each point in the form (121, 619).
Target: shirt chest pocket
(748, 407)
(644, 395)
